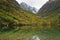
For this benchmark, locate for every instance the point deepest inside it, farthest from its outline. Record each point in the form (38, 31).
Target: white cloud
(34, 3)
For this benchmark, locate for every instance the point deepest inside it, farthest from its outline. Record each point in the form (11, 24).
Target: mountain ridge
(50, 6)
(28, 8)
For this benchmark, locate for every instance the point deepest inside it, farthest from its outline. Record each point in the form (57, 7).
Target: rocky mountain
(50, 7)
(28, 8)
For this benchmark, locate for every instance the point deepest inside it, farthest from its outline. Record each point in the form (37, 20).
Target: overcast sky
(34, 3)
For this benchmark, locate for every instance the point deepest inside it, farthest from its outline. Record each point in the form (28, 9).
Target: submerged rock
(35, 38)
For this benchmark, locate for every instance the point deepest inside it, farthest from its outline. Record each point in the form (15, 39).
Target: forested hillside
(12, 14)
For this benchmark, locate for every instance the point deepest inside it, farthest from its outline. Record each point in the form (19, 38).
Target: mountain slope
(51, 11)
(50, 6)
(11, 13)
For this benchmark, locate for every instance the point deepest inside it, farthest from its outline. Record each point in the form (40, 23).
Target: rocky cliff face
(50, 6)
(28, 8)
